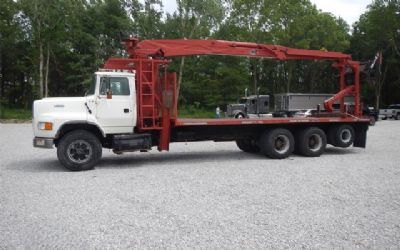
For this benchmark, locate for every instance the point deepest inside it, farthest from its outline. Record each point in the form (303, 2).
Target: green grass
(14, 113)
(193, 112)
(184, 112)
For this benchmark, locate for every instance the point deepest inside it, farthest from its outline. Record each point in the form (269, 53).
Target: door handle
(126, 110)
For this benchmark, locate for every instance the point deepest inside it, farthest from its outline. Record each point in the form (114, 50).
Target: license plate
(40, 142)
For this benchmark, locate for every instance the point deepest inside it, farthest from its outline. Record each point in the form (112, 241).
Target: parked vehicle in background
(250, 105)
(305, 113)
(372, 113)
(393, 111)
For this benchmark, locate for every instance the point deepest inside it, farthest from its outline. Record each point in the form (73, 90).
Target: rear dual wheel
(277, 143)
(311, 142)
(341, 136)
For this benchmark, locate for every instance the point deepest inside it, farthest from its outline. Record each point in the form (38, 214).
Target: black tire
(246, 145)
(79, 150)
(341, 136)
(240, 116)
(397, 117)
(311, 142)
(277, 143)
(384, 118)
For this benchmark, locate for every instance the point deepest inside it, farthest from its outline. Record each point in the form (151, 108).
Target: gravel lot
(202, 195)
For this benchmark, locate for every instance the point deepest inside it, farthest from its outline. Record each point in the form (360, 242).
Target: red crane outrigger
(156, 88)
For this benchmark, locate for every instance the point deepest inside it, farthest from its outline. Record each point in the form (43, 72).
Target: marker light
(45, 126)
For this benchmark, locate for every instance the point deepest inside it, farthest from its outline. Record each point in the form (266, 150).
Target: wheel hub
(281, 143)
(79, 151)
(315, 142)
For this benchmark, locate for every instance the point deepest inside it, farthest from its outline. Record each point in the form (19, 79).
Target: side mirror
(109, 94)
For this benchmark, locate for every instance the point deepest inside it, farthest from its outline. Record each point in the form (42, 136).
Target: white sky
(349, 10)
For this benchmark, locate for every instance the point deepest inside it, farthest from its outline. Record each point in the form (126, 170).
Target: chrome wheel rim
(281, 144)
(315, 142)
(79, 151)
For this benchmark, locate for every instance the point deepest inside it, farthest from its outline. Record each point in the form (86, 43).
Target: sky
(349, 10)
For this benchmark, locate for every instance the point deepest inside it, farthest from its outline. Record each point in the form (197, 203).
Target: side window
(118, 85)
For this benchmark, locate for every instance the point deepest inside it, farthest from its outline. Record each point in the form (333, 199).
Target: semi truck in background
(132, 106)
(248, 106)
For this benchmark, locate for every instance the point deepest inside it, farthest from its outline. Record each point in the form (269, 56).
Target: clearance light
(45, 126)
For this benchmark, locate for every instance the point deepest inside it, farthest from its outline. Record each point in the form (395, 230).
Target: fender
(79, 122)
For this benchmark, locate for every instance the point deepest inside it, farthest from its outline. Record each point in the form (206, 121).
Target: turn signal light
(45, 126)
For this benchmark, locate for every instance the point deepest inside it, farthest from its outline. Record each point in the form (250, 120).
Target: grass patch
(14, 113)
(193, 112)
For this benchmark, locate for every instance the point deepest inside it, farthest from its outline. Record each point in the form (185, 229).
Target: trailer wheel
(341, 136)
(311, 142)
(79, 150)
(246, 146)
(277, 143)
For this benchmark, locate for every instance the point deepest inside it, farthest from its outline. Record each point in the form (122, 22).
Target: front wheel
(79, 150)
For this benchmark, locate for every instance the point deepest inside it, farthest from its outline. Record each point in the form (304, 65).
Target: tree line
(52, 47)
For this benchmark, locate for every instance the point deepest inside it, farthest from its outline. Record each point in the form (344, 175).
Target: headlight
(45, 126)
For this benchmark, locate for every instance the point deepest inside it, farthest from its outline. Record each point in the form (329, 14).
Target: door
(118, 113)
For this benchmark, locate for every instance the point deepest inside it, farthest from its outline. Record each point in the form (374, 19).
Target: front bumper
(43, 142)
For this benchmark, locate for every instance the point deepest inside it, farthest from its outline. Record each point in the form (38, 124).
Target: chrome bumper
(42, 142)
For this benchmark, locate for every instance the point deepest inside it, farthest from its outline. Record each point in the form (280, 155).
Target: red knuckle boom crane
(157, 100)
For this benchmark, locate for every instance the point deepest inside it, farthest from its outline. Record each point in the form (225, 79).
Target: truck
(132, 106)
(249, 105)
(393, 111)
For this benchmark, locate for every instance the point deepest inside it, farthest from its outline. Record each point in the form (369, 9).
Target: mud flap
(360, 141)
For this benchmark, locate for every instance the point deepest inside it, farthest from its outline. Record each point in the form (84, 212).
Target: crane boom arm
(178, 48)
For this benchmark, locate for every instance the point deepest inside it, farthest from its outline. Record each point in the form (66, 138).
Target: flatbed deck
(182, 122)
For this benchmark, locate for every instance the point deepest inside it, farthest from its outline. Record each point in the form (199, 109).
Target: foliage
(60, 43)
(378, 30)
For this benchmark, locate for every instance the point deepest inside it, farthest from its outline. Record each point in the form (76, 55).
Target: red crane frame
(148, 58)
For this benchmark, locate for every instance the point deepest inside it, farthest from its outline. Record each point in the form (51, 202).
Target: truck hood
(58, 106)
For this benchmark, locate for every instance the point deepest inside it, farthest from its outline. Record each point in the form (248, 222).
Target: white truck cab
(109, 108)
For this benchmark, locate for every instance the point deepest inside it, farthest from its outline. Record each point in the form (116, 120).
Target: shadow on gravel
(148, 160)
(39, 165)
(338, 151)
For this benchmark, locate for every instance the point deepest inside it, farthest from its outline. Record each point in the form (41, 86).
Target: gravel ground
(202, 195)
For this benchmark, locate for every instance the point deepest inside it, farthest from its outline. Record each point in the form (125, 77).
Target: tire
(247, 146)
(277, 143)
(240, 116)
(341, 136)
(397, 117)
(384, 118)
(311, 142)
(79, 150)
(372, 120)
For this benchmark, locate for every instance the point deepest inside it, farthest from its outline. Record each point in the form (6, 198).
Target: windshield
(243, 101)
(92, 87)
